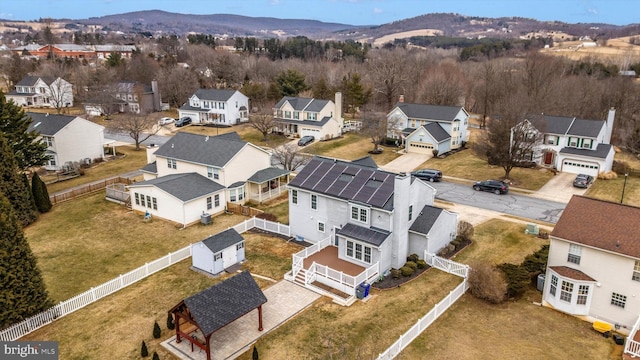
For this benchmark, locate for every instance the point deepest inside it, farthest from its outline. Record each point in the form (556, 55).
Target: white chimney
(610, 118)
(151, 156)
(401, 200)
(338, 110)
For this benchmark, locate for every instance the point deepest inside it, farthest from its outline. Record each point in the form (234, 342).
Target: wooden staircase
(300, 277)
(127, 203)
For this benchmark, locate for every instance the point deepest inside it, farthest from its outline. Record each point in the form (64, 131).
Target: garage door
(421, 148)
(580, 167)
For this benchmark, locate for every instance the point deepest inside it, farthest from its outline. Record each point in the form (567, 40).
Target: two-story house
(42, 91)
(422, 128)
(126, 96)
(68, 138)
(198, 174)
(574, 145)
(296, 116)
(368, 217)
(216, 106)
(593, 270)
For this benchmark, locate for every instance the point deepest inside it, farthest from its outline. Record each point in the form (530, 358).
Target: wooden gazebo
(214, 308)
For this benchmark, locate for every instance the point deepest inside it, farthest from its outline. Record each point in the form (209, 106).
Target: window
(359, 213)
(312, 116)
(287, 114)
(48, 140)
(554, 285)
(575, 252)
(221, 106)
(137, 196)
(410, 212)
(240, 246)
(148, 201)
(171, 163)
(296, 115)
(565, 291)
(155, 204)
(142, 201)
(217, 256)
(216, 200)
(551, 140)
(314, 202)
(294, 196)
(320, 226)
(209, 203)
(583, 294)
(618, 300)
(359, 251)
(636, 271)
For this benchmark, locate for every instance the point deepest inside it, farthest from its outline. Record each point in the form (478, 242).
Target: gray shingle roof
(429, 112)
(206, 150)
(31, 80)
(320, 122)
(437, 132)
(214, 94)
(601, 151)
(346, 180)
(365, 161)
(303, 104)
(425, 220)
(48, 124)
(225, 302)
(223, 240)
(150, 168)
(267, 174)
(185, 187)
(562, 125)
(588, 128)
(371, 236)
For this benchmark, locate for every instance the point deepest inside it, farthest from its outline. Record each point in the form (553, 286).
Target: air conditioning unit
(532, 229)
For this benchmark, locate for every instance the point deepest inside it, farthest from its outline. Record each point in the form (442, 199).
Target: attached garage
(580, 167)
(421, 148)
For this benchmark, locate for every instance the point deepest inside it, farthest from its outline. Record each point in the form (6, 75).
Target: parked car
(583, 181)
(428, 174)
(185, 120)
(165, 121)
(305, 140)
(495, 186)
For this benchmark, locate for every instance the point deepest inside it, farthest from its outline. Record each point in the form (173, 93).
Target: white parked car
(166, 121)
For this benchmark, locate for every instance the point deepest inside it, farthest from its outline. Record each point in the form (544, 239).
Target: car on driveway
(305, 140)
(428, 174)
(495, 186)
(165, 121)
(583, 181)
(183, 121)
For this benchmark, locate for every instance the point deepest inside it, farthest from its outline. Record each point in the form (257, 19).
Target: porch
(267, 184)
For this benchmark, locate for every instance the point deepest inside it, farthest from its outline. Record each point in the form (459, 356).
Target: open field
(617, 51)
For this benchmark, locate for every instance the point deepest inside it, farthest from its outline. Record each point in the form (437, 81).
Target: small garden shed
(218, 252)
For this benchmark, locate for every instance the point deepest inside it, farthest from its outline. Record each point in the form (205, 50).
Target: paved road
(513, 204)
(118, 136)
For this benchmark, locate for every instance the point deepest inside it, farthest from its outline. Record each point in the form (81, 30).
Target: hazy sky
(353, 12)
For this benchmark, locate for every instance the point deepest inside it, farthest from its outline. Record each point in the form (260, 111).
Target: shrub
(421, 264)
(536, 263)
(254, 355)
(517, 279)
(411, 264)
(395, 273)
(487, 283)
(620, 167)
(435, 152)
(267, 216)
(406, 271)
(156, 330)
(465, 230)
(413, 257)
(456, 242)
(170, 324)
(143, 351)
(155, 356)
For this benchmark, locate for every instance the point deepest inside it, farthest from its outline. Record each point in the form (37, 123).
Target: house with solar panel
(569, 144)
(216, 106)
(69, 139)
(363, 220)
(191, 175)
(423, 128)
(298, 117)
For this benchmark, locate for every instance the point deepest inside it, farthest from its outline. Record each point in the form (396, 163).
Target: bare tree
(390, 74)
(374, 125)
(177, 84)
(139, 127)
(444, 85)
(263, 122)
(290, 156)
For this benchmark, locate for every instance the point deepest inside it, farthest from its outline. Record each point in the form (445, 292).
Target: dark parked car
(305, 140)
(495, 186)
(583, 181)
(183, 121)
(428, 174)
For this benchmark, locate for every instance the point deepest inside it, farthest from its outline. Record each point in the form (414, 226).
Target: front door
(548, 158)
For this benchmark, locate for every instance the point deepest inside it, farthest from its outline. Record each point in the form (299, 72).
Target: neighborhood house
(49, 92)
(298, 117)
(218, 107)
(124, 97)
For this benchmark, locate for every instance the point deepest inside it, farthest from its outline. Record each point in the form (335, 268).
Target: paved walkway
(284, 300)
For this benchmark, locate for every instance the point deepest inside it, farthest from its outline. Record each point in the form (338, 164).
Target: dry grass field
(351, 146)
(617, 51)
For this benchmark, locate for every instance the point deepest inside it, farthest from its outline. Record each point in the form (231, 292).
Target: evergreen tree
(144, 352)
(13, 186)
(27, 185)
(255, 355)
(321, 90)
(170, 324)
(156, 330)
(22, 290)
(155, 356)
(14, 124)
(40, 194)
(291, 83)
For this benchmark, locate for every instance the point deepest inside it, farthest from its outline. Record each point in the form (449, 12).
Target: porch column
(208, 346)
(177, 319)
(260, 318)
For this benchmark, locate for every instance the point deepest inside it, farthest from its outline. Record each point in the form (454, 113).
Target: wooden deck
(329, 257)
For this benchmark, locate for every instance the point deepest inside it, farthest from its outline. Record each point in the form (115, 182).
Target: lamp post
(623, 187)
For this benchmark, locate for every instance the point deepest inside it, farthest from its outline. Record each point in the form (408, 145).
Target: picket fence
(77, 302)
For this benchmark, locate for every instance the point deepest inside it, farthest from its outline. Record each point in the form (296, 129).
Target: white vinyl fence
(443, 264)
(77, 302)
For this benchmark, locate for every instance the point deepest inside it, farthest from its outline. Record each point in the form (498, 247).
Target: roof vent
(617, 244)
(172, 146)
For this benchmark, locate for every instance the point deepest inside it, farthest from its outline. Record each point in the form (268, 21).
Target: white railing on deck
(446, 265)
(631, 346)
(298, 258)
(339, 280)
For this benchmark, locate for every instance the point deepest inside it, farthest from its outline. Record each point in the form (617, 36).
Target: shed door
(229, 257)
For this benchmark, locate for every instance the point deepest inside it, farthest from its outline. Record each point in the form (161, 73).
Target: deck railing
(339, 280)
(446, 265)
(631, 346)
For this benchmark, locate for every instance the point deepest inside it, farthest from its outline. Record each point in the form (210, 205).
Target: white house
(181, 198)
(68, 138)
(372, 217)
(422, 128)
(126, 96)
(242, 168)
(296, 116)
(215, 106)
(574, 145)
(218, 252)
(49, 92)
(593, 270)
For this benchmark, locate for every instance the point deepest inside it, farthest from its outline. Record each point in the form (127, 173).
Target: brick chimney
(401, 99)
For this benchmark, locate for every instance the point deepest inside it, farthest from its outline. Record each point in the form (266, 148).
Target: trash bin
(540, 282)
(360, 292)
(366, 286)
